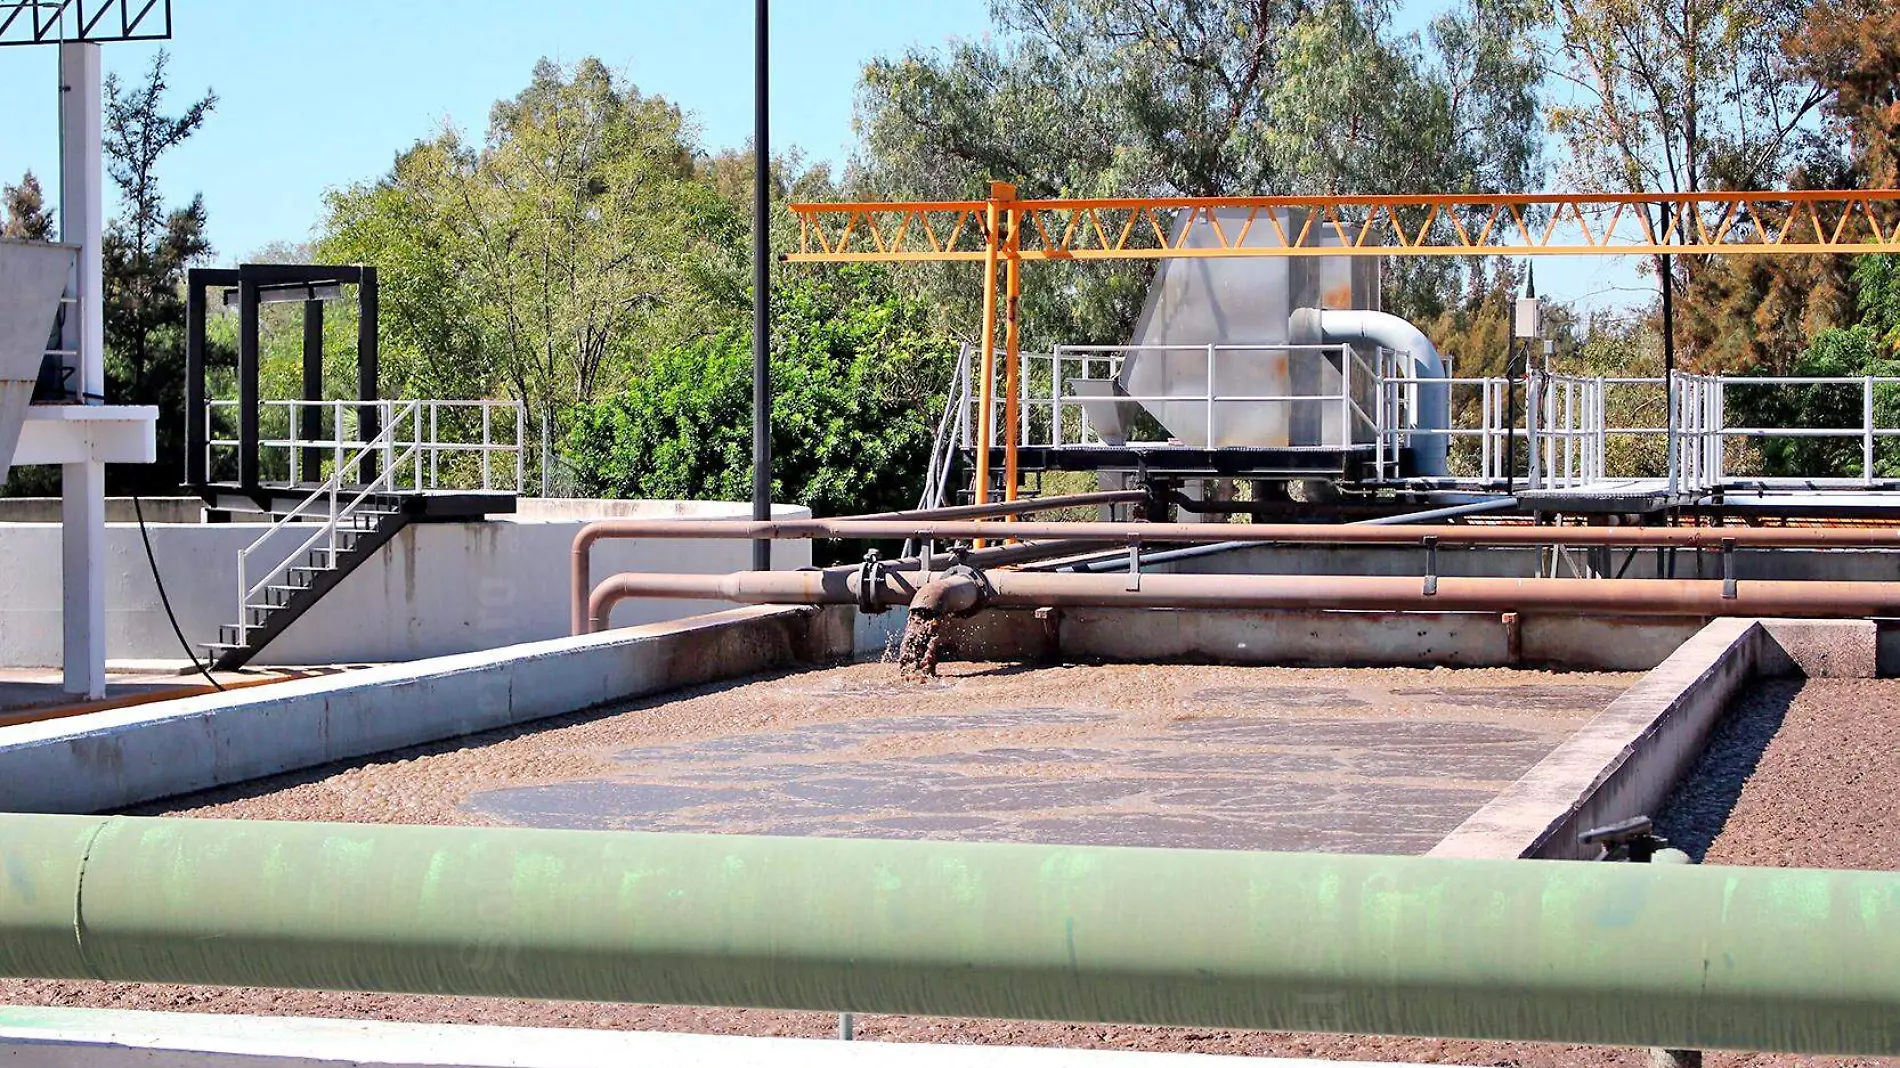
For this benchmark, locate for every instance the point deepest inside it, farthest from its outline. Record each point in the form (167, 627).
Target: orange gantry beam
(1513, 224)
(1003, 232)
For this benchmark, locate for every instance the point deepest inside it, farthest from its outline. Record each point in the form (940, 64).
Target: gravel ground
(1819, 775)
(1800, 775)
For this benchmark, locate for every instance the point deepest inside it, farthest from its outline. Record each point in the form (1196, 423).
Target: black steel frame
(253, 281)
(46, 24)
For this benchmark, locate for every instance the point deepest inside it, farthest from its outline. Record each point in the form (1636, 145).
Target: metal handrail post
(1345, 397)
(487, 439)
(1867, 430)
(415, 410)
(1671, 459)
(1210, 396)
(243, 594)
(1055, 396)
(336, 479)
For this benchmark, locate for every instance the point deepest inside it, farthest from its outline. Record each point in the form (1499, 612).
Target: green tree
(24, 215)
(546, 260)
(1749, 312)
(147, 250)
(1868, 347)
(859, 376)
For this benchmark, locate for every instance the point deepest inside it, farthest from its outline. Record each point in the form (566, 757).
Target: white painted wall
(436, 589)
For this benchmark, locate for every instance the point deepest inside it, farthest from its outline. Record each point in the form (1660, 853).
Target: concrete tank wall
(436, 589)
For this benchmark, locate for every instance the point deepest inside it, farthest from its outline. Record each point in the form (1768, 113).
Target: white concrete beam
(94, 433)
(83, 484)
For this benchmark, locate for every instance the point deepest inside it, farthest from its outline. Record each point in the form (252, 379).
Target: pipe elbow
(958, 593)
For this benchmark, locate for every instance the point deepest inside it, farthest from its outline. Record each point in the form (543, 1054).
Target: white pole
(83, 485)
(1867, 431)
(1210, 396)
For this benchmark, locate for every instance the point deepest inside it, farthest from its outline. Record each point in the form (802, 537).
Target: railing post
(1671, 460)
(1867, 431)
(415, 414)
(1345, 397)
(1055, 395)
(1210, 395)
(487, 438)
(336, 479)
(521, 448)
(243, 595)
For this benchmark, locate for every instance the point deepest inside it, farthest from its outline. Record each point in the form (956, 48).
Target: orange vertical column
(1012, 360)
(986, 374)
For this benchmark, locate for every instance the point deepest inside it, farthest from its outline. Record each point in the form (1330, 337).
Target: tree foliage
(147, 249)
(545, 260)
(858, 375)
(24, 215)
(1761, 312)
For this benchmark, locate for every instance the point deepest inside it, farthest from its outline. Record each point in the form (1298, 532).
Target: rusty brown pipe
(1286, 533)
(1017, 589)
(580, 567)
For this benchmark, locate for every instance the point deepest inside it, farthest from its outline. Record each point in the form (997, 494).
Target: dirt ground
(1827, 748)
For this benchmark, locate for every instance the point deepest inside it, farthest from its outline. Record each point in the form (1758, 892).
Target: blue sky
(315, 96)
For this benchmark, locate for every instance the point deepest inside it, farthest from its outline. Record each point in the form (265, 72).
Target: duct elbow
(1431, 414)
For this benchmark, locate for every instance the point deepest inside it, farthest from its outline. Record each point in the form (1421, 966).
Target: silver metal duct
(1242, 304)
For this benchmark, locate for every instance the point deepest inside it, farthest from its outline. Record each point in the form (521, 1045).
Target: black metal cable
(204, 669)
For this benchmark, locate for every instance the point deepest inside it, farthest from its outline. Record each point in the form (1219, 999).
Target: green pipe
(1623, 954)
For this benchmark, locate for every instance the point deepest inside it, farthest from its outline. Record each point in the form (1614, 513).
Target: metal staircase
(302, 585)
(350, 522)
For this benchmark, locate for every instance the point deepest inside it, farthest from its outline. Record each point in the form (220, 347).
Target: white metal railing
(1563, 426)
(345, 498)
(1051, 414)
(457, 443)
(1545, 431)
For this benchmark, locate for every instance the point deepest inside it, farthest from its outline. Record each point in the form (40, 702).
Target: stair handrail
(332, 489)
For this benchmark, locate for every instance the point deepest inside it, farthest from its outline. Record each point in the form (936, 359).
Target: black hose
(151, 559)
